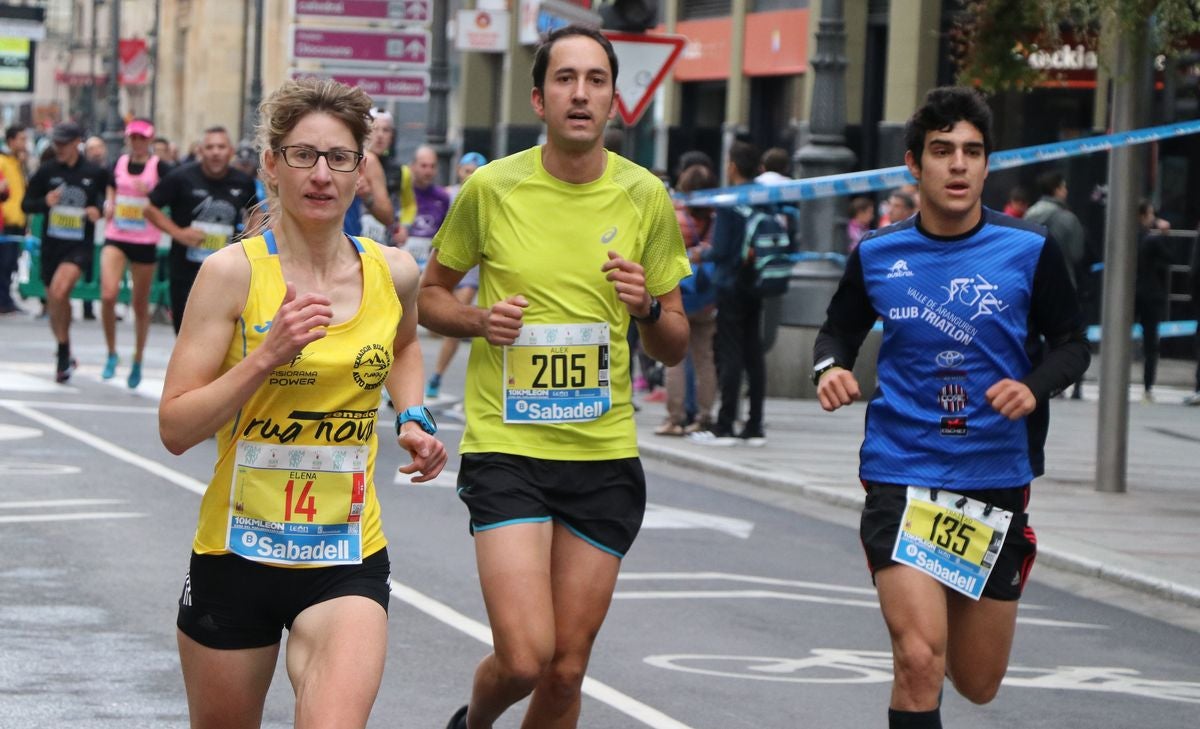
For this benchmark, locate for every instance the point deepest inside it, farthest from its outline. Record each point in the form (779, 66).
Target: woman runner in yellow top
(287, 342)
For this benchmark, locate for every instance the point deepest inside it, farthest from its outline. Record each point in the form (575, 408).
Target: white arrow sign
(666, 517)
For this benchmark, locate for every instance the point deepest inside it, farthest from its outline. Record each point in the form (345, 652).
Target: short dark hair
(776, 159)
(217, 129)
(906, 200)
(744, 157)
(1049, 182)
(541, 57)
(861, 204)
(944, 107)
(1145, 206)
(12, 132)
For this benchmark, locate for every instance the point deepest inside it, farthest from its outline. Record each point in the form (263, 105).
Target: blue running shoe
(135, 375)
(110, 366)
(433, 388)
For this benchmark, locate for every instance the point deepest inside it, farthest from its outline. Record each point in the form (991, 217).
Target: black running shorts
(229, 602)
(136, 252)
(601, 502)
(56, 252)
(880, 526)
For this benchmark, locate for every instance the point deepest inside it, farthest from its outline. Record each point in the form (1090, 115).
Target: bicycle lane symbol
(836, 666)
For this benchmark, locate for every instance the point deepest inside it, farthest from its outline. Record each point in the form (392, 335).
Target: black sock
(914, 719)
(64, 349)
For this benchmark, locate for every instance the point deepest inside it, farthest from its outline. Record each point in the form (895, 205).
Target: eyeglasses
(339, 160)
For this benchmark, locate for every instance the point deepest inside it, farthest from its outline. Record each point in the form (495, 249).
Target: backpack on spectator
(766, 252)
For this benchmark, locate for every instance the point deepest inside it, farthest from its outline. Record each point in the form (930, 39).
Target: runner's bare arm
(160, 220)
(197, 397)
(379, 204)
(665, 340)
(443, 313)
(405, 382)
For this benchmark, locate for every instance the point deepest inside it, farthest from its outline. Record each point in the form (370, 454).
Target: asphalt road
(736, 608)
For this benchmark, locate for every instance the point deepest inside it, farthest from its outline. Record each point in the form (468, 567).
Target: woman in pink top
(130, 241)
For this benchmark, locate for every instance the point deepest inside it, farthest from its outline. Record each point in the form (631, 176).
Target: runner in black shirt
(208, 200)
(69, 190)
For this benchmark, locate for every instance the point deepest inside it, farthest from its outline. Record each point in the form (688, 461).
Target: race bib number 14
(557, 373)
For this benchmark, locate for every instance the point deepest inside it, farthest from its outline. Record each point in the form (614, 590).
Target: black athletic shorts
(56, 252)
(881, 524)
(601, 502)
(136, 252)
(229, 602)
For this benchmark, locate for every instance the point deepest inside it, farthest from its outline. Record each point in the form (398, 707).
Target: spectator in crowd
(699, 303)
(96, 151)
(1150, 292)
(901, 205)
(1194, 398)
(432, 203)
(1051, 211)
(12, 169)
(738, 340)
(1018, 201)
(862, 213)
(776, 166)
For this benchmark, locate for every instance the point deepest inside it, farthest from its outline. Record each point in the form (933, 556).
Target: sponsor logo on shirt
(975, 292)
(899, 269)
(952, 398)
(954, 425)
(609, 235)
(371, 366)
(950, 358)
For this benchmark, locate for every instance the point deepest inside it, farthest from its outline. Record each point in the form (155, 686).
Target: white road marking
(752, 579)
(32, 468)
(665, 517)
(79, 516)
(17, 432)
(82, 406)
(109, 448)
(56, 502)
(740, 595)
(21, 382)
(627, 705)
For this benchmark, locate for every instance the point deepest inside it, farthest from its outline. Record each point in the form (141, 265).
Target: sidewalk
(1144, 539)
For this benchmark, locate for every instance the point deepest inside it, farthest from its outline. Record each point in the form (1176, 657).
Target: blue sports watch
(419, 414)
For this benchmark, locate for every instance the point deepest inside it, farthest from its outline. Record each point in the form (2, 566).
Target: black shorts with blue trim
(229, 602)
(880, 525)
(601, 502)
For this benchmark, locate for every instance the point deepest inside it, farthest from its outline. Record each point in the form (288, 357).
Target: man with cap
(69, 191)
(130, 241)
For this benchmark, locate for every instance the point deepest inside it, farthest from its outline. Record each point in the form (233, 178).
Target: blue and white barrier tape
(857, 183)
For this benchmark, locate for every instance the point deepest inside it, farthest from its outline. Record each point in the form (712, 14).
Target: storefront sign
(482, 30)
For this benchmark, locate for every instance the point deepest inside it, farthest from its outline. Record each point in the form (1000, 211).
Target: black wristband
(655, 312)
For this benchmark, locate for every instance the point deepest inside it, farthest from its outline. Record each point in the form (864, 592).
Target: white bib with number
(297, 505)
(952, 538)
(65, 222)
(557, 373)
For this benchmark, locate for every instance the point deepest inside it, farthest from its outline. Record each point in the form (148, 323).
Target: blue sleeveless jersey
(955, 321)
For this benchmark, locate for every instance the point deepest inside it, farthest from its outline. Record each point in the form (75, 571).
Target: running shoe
(1193, 399)
(459, 720)
(753, 437)
(110, 367)
(669, 428)
(717, 436)
(433, 388)
(656, 395)
(66, 366)
(135, 376)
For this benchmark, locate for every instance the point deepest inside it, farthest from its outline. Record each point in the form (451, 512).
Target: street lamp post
(254, 97)
(114, 132)
(439, 93)
(825, 152)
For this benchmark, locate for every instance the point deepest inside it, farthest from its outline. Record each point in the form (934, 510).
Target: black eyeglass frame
(358, 157)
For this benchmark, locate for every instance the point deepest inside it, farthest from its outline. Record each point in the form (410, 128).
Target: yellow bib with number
(557, 373)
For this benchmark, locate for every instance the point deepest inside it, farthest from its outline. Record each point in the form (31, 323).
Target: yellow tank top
(294, 481)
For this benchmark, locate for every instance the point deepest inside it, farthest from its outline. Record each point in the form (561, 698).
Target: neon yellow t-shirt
(535, 235)
(294, 481)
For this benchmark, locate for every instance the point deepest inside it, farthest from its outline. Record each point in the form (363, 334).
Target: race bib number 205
(557, 373)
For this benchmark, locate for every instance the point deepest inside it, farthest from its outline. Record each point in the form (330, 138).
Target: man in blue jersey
(980, 329)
